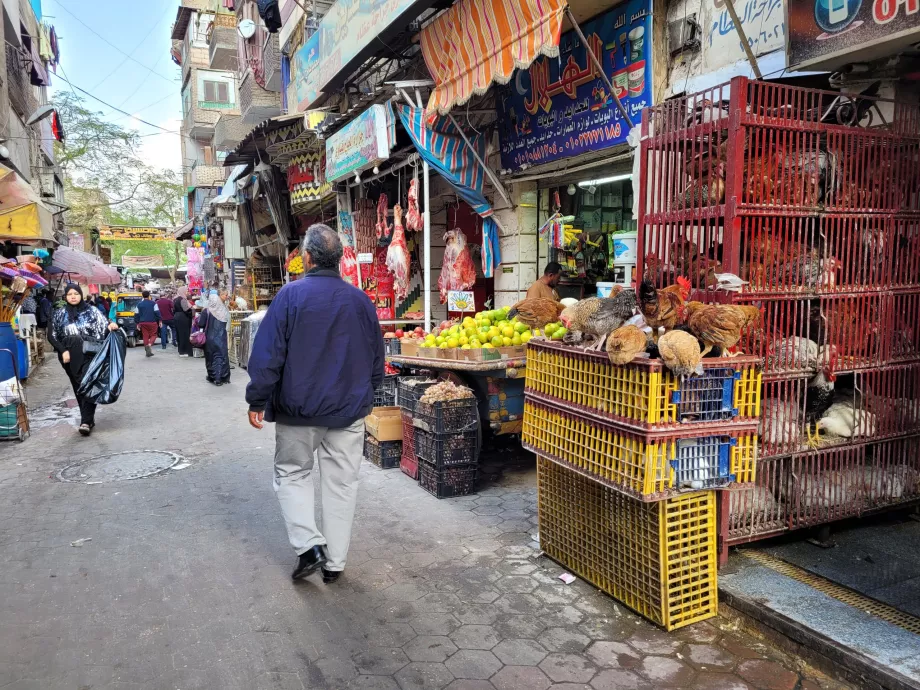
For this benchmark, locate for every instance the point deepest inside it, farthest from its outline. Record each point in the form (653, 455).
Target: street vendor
(545, 287)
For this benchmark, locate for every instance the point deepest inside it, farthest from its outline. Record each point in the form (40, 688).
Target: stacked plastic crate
(409, 390)
(813, 199)
(628, 460)
(447, 446)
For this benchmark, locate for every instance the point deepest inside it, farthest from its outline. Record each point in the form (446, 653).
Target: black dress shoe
(330, 576)
(310, 561)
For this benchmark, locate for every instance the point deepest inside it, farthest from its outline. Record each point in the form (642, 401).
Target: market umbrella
(74, 261)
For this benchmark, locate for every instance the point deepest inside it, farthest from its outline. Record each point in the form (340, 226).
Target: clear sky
(146, 84)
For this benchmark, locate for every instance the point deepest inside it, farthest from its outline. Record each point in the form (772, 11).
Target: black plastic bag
(105, 376)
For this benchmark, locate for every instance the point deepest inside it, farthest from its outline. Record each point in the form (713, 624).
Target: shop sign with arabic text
(361, 144)
(560, 107)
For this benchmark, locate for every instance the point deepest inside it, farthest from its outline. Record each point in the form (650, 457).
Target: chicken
(844, 420)
(780, 427)
(625, 343)
(663, 308)
(719, 324)
(680, 353)
(598, 316)
(536, 312)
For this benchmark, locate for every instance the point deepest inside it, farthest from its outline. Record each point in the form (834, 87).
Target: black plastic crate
(385, 393)
(384, 454)
(447, 416)
(447, 450)
(410, 389)
(448, 482)
(392, 346)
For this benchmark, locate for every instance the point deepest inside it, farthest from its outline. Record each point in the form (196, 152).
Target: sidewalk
(186, 584)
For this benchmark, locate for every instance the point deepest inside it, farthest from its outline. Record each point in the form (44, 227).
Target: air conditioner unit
(684, 35)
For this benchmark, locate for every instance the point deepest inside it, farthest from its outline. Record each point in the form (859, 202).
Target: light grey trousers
(338, 453)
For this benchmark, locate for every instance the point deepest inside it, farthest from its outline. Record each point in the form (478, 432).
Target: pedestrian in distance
(213, 321)
(317, 357)
(182, 317)
(45, 310)
(167, 320)
(77, 332)
(148, 321)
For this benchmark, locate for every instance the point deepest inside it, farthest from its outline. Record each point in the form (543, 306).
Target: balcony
(229, 131)
(203, 175)
(222, 43)
(257, 104)
(271, 63)
(22, 96)
(199, 123)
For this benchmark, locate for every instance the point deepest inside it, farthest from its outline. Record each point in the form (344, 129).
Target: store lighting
(357, 178)
(571, 190)
(376, 170)
(605, 180)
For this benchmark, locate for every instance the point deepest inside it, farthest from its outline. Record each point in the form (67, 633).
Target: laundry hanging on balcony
(477, 42)
(271, 15)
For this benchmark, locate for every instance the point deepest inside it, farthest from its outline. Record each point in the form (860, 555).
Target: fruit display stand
(497, 383)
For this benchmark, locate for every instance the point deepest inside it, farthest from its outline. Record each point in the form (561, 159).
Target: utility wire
(123, 112)
(107, 42)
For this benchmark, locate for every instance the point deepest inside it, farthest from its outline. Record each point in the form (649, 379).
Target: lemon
(550, 329)
(498, 341)
(485, 322)
(453, 342)
(506, 342)
(537, 332)
(559, 333)
(488, 346)
(469, 332)
(520, 327)
(508, 331)
(465, 347)
(455, 329)
(525, 337)
(439, 340)
(516, 340)
(475, 343)
(494, 333)
(442, 346)
(463, 340)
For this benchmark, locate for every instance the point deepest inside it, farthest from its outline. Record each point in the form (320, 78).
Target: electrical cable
(153, 28)
(107, 42)
(109, 105)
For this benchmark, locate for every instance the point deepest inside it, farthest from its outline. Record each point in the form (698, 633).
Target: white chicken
(780, 426)
(828, 489)
(794, 353)
(755, 507)
(843, 420)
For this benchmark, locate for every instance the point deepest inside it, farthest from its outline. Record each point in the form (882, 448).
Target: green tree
(106, 181)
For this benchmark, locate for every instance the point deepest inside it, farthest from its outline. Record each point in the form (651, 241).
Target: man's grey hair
(323, 245)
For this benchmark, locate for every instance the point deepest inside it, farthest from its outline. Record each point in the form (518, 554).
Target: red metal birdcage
(813, 198)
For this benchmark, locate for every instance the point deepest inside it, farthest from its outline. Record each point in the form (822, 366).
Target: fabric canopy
(27, 224)
(85, 266)
(477, 42)
(439, 143)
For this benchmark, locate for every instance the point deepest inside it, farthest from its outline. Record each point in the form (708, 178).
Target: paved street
(186, 584)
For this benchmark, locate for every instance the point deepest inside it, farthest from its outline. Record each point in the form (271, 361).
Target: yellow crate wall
(629, 461)
(659, 559)
(639, 393)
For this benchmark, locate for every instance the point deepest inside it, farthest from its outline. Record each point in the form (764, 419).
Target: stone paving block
(466, 684)
(423, 676)
(473, 664)
(475, 637)
(613, 655)
(435, 624)
(563, 640)
(568, 668)
(381, 661)
(520, 652)
(722, 681)
(768, 675)
(373, 683)
(666, 671)
(619, 679)
(430, 648)
(520, 678)
(710, 658)
(520, 626)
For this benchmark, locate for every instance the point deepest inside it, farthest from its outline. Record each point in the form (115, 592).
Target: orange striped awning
(477, 42)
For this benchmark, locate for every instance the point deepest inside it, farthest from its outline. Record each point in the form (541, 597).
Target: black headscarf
(73, 310)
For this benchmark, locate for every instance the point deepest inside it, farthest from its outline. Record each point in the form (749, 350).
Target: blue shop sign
(560, 107)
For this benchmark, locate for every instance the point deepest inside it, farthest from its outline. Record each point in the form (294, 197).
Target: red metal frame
(823, 221)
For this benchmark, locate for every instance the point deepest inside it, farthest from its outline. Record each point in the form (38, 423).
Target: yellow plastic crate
(645, 394)
(659, 559)
(648, 466)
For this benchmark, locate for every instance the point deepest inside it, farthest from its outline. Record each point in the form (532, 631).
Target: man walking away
(317, 357)
(167, 318)
(147, 319)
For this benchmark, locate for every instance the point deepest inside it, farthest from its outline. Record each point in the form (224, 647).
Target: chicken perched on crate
(536, 312)
(680, 352)
(663, 308)
(598, 316)
(719, 325)
(625, 344)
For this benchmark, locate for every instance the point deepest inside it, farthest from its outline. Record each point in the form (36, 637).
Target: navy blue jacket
(145, 312)
(318, 354)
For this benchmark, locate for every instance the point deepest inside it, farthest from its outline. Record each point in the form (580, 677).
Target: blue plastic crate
(707, 398)
(704, 462)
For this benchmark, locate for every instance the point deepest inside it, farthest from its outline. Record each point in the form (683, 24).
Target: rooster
(598, 316)
(680, 353)
(625, 343)
(819, 396)
(536, 312)
(719, 324)
(663, 308)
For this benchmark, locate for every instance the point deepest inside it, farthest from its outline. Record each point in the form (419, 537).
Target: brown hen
(536, 312)
(663, 308)
(719, 324)
(625, 343)
(598, 316)
(680, 353)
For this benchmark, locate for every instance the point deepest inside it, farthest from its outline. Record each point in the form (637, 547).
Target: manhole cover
(117, 467)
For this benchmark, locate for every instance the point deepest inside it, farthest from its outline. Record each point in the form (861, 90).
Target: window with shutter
(210, 91)
(223, 92)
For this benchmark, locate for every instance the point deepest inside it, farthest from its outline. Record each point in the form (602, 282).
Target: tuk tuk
(125, 306)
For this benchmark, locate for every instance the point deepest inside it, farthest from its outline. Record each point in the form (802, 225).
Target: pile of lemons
(487, 330)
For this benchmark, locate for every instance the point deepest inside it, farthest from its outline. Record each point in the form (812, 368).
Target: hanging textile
(39, 75)
(44, 43)
(439, 143)
(477, 42)
(491, 251)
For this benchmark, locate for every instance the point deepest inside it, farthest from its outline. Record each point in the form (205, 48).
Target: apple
(400, 333)
(419, 331)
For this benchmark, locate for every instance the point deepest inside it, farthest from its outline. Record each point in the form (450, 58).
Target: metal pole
(600, 68)
(492, 176)
(730, 6)
(427, 232)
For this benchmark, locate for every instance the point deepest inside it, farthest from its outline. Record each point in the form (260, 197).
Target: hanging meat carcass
(413, 217)
(398, 257)
(457, 271)
(383, 229)
(348, 264)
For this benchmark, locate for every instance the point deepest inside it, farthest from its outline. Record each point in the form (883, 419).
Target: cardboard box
(384, 424)
(409, 348)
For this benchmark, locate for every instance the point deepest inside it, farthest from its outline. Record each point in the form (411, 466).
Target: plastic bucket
(8, 341)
